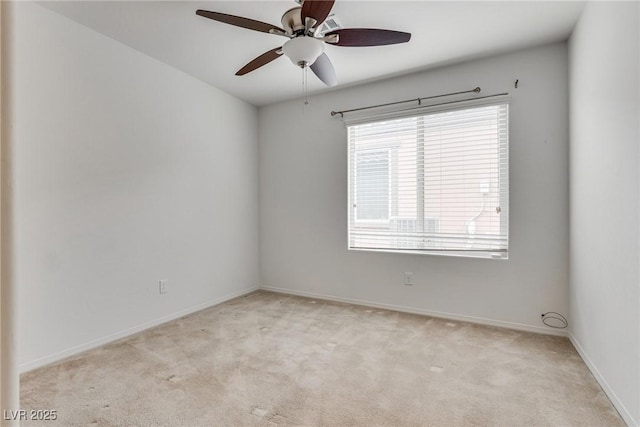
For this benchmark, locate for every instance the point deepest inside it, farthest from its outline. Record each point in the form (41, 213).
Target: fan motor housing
(292, 21)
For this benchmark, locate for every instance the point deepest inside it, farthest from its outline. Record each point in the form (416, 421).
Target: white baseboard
(617, 403)
(412, 310)
(43, 361)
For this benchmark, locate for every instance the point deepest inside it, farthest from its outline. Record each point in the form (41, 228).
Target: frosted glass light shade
(303, 50)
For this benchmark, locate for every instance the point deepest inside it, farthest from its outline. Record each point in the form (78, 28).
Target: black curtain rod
(461, 100)
(419, 100)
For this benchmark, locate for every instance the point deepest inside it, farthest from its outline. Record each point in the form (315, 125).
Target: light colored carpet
(268, 359)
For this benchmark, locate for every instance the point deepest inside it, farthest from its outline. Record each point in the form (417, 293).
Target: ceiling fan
(304, 48)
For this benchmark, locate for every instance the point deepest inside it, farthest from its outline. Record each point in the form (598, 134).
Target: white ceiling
(443, 32)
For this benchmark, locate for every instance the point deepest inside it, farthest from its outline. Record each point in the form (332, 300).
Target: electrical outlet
(163, 288)
(408, 278)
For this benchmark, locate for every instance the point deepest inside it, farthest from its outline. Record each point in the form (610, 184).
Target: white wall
(303, 199)
(605, 191)
(126, 171)
(9, 379)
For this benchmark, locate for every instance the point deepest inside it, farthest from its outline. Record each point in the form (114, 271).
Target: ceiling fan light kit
(303, 48)
(303, 51)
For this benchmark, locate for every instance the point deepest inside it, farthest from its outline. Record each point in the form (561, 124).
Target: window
(437, 182)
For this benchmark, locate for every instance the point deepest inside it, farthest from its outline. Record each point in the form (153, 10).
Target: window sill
(458, 254)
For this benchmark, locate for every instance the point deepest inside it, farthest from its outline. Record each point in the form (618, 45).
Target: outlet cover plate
(163, 288)
(408, 278)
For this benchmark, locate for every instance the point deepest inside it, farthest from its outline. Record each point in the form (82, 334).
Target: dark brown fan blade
(239, 21)
(368, 37)
(316, 9)
(323, 68)
(261, 60)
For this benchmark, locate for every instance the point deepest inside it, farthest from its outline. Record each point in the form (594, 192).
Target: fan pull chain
(305, 82)
(304, 104)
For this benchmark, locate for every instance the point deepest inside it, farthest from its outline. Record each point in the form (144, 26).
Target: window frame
(502, 175)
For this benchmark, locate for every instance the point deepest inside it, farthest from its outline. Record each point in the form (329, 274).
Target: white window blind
(437, 182)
